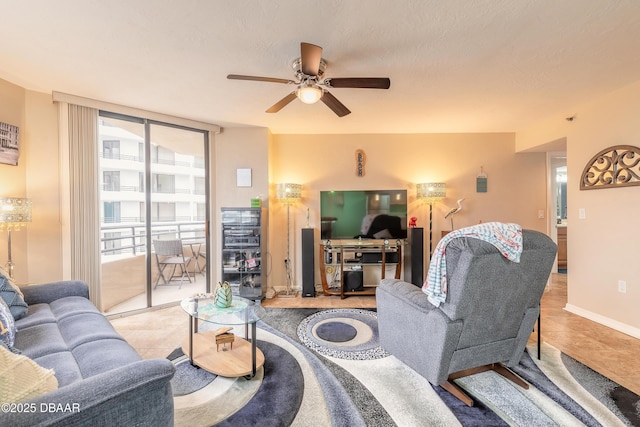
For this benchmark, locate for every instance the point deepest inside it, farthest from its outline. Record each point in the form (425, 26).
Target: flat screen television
(368, 214)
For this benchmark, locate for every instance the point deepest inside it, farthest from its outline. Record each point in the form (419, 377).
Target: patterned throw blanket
(506, 237)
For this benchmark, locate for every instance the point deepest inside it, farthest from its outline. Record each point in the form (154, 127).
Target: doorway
(558, 226)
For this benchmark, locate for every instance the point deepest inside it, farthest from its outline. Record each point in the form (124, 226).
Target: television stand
(345, 262)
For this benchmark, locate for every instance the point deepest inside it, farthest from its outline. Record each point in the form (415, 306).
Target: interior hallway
(611, 353)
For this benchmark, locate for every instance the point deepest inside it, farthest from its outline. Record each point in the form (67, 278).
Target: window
(201, 212)
(149, 185)
(163, 212)
(198, 185)
(111, 149)
(111, 212)
(162, 155)
(164, 183)
(111, 180)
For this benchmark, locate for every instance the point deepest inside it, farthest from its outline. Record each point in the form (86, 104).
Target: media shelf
(345, 261)
(243, 243)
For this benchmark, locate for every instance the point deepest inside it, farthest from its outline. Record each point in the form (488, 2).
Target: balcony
(124, 265)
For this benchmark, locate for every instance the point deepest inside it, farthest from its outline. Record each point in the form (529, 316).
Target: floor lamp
(431, 192)
(15, 212)
(289, 194)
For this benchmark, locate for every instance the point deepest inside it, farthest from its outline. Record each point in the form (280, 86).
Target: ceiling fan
(311, 83)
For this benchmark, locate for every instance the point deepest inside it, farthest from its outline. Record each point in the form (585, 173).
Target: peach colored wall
(604, 245)
(516, 182)
(43, 185)
(36, 177)
(237, 148)
(13, 178)
(602, 248)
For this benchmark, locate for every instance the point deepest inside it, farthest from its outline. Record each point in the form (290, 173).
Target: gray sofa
(491, 308)
(102, 381)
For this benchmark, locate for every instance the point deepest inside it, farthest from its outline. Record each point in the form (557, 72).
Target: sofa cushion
(85, 327)
(71, 306)
(12, 295)
(38, 340)
(21, 378)
(7, 325)
(104, 355)
(64, 365)
(36, 315)
(72, 337)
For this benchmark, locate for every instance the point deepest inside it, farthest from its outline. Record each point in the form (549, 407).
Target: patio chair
(203, 254)
(170, 253)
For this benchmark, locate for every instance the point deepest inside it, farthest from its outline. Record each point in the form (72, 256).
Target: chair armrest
(48, 292)
(414, 330)
(135, 394)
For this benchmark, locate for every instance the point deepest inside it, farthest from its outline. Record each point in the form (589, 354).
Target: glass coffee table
(241, 358)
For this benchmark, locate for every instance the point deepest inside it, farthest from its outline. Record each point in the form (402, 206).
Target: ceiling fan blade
(335, 105)
(282, 103)
(310, 56)
(360, 82)
(258, 79)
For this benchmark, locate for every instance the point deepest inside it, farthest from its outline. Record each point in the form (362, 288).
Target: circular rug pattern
(336, 331)
(276, 401)
(343, 333)
(189, 379)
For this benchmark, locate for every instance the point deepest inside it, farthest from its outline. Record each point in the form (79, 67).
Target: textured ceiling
(455, 66)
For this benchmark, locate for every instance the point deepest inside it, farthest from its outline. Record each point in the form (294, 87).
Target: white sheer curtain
(79, 138)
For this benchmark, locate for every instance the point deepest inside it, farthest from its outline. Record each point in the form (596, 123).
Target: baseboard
(606, 321)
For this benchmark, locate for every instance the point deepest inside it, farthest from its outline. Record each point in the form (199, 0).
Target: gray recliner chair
(491, 308)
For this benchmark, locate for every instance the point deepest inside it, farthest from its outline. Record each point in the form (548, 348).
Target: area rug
(326, 368)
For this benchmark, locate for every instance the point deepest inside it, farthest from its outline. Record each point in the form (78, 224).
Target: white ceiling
(455, 65)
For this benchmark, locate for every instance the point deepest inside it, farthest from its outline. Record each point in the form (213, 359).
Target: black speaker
(417, 256)
(308, 266)
(352, 280)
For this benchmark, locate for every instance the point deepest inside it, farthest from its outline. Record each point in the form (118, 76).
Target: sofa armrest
(136, 394)
(48, 292)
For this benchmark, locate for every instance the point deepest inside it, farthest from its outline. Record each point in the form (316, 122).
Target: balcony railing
(196, 163)
(114, 187)
(132, 237)
(137, 189)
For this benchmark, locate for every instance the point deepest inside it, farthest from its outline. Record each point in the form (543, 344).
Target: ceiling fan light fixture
(309, 94)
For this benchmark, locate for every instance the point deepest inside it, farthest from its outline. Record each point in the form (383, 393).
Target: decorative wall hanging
(617, 166)
(8, 144)
(481, 181)
(361, 159)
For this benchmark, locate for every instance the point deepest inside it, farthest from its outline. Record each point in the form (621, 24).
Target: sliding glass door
(178, 212)
(153, 180)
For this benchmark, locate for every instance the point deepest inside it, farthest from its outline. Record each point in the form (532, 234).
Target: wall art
(617, 166)
(361, 159)
(8, 144)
